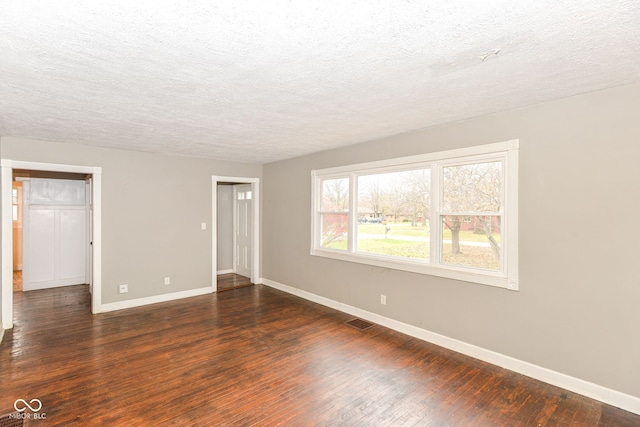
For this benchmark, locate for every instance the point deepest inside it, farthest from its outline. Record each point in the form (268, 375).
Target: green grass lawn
(395, 229)
(401, 248)
(405, 229)
(471, 256)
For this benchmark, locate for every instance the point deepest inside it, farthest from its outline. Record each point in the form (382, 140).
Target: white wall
(577, 309)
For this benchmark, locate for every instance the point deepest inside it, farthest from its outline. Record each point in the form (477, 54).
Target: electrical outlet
(203, 225)
(167, 280)
(383, 299)
(123, 289)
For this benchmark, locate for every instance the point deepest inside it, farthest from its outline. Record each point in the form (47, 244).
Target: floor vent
(359, 324)
(12, 420)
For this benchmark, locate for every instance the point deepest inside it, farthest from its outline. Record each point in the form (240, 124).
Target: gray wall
(225, 227)
(153, 206)
(577, 311)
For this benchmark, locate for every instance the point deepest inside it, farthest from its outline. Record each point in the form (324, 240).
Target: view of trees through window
(393, 212)
(334, 212)
(470, 215)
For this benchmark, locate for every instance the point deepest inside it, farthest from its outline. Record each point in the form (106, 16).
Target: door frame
(6, 173)
(255, 234)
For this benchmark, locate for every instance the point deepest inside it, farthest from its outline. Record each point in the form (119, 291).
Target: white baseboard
(120, 305)
(1, 332)
(576, 385)
(224, 271)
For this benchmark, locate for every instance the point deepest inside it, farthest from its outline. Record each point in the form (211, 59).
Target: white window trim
(507, 278)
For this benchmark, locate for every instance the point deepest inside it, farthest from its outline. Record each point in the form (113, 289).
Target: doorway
(54, 242)
(17, 224)
(92, 215)
(235, 232)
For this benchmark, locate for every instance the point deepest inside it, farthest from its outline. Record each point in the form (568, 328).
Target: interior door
(242, 229)
(55, 234)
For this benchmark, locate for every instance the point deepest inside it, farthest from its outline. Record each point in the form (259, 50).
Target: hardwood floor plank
(257, 356)
(232, 281)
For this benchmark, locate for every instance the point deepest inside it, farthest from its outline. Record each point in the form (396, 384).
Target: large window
(450, 214)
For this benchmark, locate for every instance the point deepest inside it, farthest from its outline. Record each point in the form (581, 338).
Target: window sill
(420, 267)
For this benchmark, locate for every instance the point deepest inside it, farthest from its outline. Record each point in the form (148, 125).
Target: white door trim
(234, 224)
(255, 236)
(7, 166)
(89, 232)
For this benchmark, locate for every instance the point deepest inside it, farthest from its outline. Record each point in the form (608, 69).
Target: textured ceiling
(260, 81)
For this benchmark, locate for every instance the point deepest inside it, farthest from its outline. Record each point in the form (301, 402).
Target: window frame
(506, 151)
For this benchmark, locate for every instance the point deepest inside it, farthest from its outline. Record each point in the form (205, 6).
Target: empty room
(296, 213)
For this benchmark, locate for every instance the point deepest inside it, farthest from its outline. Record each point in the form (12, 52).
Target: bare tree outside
(399, 202)
(370, 194)
(418, 196)
(394, 197)
(394, 211)
(335, 195)
(473, 191)
(334, 210)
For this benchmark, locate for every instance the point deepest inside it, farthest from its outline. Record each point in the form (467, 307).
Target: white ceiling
(259, 81)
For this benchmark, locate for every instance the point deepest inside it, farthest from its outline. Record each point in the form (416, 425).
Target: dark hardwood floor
(232, 281)
(17, 280)
(257, 356)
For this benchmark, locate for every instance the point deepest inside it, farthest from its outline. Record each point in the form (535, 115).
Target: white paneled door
(55, 234)
(242, 226)
(41, 246)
